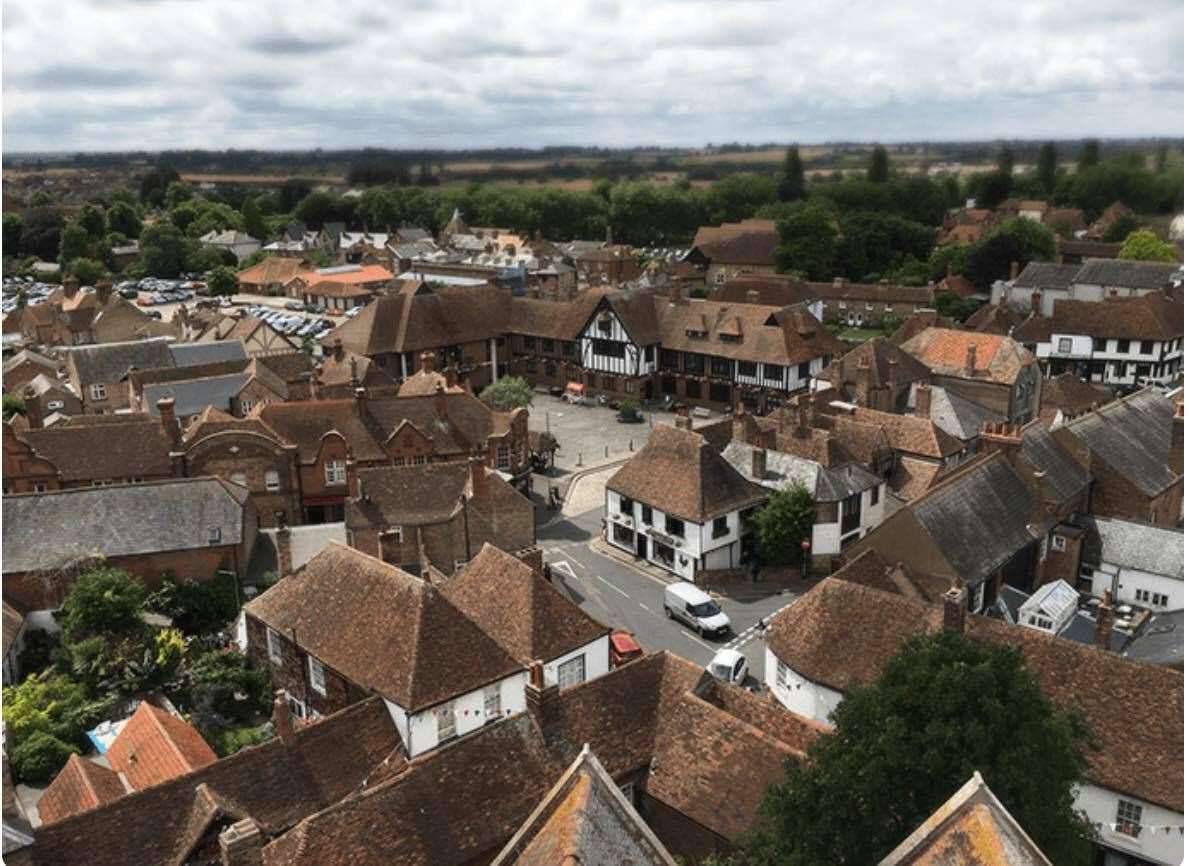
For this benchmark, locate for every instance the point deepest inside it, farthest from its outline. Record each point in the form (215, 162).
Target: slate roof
(275, 784)
(81, 785)
(585, 818)
(997, 359)
(1133, 436)
(957, 416)
(193, 354)
(750, 242)
(1134, 711)
(191, 396)
(1140, 546)
(972, 826)
(1047, 275)
(773, 290)
(154, 746)
(782, 470)
(680, 473)
(1127, 274)
(383, 629)
(109, 362)
(524, 613)
(47, 530)
(1162, 642)
(872, 570)
(127, 446)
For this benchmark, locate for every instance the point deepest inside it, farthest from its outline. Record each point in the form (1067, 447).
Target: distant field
(262, 179)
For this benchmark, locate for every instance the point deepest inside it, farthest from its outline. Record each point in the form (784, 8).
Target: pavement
(625, 593)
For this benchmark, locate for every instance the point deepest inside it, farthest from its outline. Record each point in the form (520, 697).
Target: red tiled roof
(81, 785)
(154, 746)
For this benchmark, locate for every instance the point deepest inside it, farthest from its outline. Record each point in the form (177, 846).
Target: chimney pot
(1104, 622)
(924, 405)
(284, 551)
(338, 348)
(542, 701)
(169, 422)
(971, 358)
(241, 844)
(1015, 270)
(427, 362)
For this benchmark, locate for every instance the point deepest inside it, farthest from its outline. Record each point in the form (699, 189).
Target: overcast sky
(153, 74)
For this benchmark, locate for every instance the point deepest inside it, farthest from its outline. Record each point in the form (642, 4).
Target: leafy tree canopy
(783, 523)
(103, 601)
(808, 240)
(510, 392)
(222, 281)
(878, 171)
(1143, 245)
(1014, 240)
(162, 250)
(792, 180)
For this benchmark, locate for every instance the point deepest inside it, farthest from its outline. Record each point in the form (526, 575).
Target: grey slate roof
(191, 396)
(29, 355)
(1133, 436)
(109, 362)
(1136, 545)
(47, 530)
(978, 520)
(957, 416)
(1130, 274)
(1064, 476)
(193, 354)
(1046, 275)
(1162, 642)
(826, 485)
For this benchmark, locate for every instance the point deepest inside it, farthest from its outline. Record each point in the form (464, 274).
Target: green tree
(293, 191)
(48, 702)
(177, 193)
(42, 233)
(956, 307)
(124, 219)
(154, 184)
(162, 250)
(103, 601)
(222, 281)
(14, 227)
(990, 189)
(76, 243)
(783, 523)
(1122, 228)
(1015, 240)
(510, 392)
(1046, 167)
(86, 271)
(808, 240)
(222, 684)
(253, 220)
(13, 406)
(1005, 160)
(792, 181)
(944, 707)
(878, 171)
(1143, 245)
(38, 759)
(93, 220)
(874, 243)
(1088, 158)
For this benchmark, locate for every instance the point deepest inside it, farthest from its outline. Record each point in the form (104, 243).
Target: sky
(85, 75)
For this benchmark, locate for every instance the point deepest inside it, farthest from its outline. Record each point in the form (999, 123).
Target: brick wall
(253, 457)
(684, 838)
(292, 674)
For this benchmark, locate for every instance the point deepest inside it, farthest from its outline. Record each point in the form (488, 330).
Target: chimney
(543, 702)
(169, 422)
(1038, 513)
(361, 401)
(478, 476)
(839, 282)
(103, 292)
(1036, 298)
(284, 550)
(439, 401)
(971, 355)
(743, 425)
(282, 721)
(1176, 448)
(338, 348)
(683, 422)
(1000, 437)
(427, 362)
(953, 614)
(753, 297)
(1104, 622)
(70, 286)
(924, 400)
(674, 293)
(241, 844)
(1015, 270)
(759, 462)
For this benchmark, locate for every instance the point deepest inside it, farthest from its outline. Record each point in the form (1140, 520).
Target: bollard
(631, 445)
(579, 458)
(605, 454)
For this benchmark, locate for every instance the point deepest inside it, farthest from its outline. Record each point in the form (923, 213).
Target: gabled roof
(48, 530)
(1152, 316)
(781, 470)
(275, 270)
(1127, 274)
(276, 784)
(773, 290)
(191, 396)
(875, 363)
(109, 362)
(638, 313)
(524, 613)
(584, 819)
(970, 827)
(383, 629)
(994, 319)
(127, 446)
(1071, 395)
(750, 242)
(28, 356)
(556, 320)
(1134, 711)
(997, 358)
(194, 354)
(1140, 546)
(872, 570)
(1133, 436)
(80, 786)
(909, 434)
(1046, 275)
(957, 416)
(154, 746)
(14, 621)
(680, 473)
(408, 495)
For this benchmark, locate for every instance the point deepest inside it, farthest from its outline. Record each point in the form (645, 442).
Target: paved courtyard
(589, 435)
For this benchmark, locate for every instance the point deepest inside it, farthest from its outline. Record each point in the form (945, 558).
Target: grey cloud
(280, 43)
(74, 77)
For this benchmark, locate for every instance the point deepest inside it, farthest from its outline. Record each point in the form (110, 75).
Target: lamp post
(805, 545)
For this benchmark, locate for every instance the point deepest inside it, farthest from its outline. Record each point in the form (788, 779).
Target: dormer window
(215, 535)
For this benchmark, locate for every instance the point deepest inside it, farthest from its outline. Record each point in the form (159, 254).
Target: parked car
(686, 603)
(153, 314)
(294, 305)
(576, 393)
(353, 312)
(728, 665)
(624, 648)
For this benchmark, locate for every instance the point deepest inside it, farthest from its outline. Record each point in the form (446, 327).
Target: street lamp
(805, 545)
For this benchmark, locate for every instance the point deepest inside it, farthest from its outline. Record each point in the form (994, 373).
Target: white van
(686, 603)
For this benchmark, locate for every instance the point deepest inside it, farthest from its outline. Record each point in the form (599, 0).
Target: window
(629, 387)
(675, 526)
(1040, 622)
(1122, 346)
(492, 707)
(875, 495)
(446, 728)
(245, 406)
(773, 371)
(695, 363)
(720, 392)
(418, 460)
(336, 472)
(608, 348)
(396, 533)
(54, 404)
(1099, 344)
(317, 676)
(239, 478)
(782, 674)
(1065, 345)
(530, 343)
(98, 391)
(693, 388)
(869, 306)
(274, 646)
(720, 527)
(1145, 347)
(609, 383)
(604, 323)
(571, 673)
(646, 515)
(747, 368)
(803, 371)
(625, 506)
(503, 457)
(272, 480)
(669, 359)
(649, 354)
(1127, 818)
(1059, 543)
(720, 367)
(547, 346)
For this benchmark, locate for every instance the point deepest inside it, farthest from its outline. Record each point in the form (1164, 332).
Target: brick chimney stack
(971, 359)
(103, 292)
(953, 614)
(924, 400)
(478, 476)
(682, 421)
(284, 550)
(674, 292)
(1104, 622)
(338, 349)
(169, 422)
(282, 720)
(70, 286)
(1176, 448)
(427, 362)
(439, 401)
(743, 425)
(241, 844)
(1000, 436)
(759, 461)
(543, 702)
